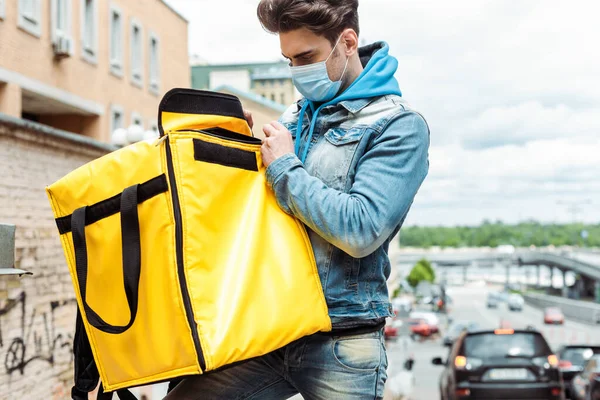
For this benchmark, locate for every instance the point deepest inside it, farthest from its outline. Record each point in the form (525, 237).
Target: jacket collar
(352, 106)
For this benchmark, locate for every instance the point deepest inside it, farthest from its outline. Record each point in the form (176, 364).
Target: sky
(510, 89)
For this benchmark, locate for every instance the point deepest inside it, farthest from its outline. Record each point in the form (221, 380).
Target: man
(346, 160)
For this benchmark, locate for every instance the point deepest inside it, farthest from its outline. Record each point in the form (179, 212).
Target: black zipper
(179, 254)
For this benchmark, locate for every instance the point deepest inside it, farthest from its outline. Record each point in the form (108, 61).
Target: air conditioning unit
(63, 47)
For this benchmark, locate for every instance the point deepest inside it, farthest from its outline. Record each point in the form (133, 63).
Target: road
(469, 303)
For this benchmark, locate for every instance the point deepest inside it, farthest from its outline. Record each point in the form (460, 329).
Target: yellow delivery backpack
(181, 260)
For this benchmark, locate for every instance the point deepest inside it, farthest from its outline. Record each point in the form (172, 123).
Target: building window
(137, 54)
(136, 119)
(273, 97)
(89, 31)
(154, 64)
(117, 118)
(116, 41)
(61, 24)
(30, 15)
(282, 98)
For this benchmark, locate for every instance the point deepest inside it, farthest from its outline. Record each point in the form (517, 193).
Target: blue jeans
(319, 367)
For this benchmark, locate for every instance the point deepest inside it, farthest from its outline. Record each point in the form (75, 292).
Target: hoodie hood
(377, 79)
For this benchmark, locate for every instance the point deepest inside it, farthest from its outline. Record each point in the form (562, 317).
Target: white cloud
(510, 183)
(522, 123)
(511, 90)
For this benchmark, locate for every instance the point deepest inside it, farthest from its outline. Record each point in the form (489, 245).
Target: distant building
(90, 66)
(272, 81)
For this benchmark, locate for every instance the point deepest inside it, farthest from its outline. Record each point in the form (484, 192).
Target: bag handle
(190, 109)
(130, 235)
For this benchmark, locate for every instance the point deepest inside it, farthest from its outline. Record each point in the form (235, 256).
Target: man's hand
(278, 142)
(248, 116)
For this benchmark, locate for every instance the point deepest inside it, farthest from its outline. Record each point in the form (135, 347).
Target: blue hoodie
(377, 79)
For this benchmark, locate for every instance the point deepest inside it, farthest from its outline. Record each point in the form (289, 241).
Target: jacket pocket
(331, 158)
(341, 137)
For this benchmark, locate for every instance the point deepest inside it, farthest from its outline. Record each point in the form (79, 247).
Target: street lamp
(134, 133)
(7, 252)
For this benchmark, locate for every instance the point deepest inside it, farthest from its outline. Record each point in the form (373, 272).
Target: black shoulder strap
(86, 372)
(124, 394)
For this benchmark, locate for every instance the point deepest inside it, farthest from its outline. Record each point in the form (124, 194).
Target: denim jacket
(366, 161)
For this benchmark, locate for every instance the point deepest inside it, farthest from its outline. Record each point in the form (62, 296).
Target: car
(419, 328)
(515, 302)
(553, 315)
(586, 384)
(390, 330)
(492, 300)
(456, 329)
(432, 320)
(500, 364)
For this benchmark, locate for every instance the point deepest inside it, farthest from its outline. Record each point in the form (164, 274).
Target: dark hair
(326, 18)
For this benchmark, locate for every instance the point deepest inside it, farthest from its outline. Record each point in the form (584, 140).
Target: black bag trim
(111, 206)
(131, 255)
(187, 302)
(191, 101)
(226, 156)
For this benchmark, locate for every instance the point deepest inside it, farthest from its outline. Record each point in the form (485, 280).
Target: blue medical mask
(313, 82)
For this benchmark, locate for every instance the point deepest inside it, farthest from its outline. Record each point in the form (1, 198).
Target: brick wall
(37, 313)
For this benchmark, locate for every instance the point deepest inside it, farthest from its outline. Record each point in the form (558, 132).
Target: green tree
(427, 265)
(497, 233)
(420, 273)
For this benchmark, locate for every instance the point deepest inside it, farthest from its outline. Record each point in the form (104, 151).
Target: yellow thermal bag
(181, 260)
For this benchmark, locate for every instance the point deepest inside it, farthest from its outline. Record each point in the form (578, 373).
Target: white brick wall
(37, 313)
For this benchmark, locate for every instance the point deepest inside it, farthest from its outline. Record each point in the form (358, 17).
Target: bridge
(585, 264)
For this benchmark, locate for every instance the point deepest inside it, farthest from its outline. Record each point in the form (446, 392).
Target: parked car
(492, 300)
(572, 360)
(456, 329)
(553, 315)
(515, 302)
(500, 364)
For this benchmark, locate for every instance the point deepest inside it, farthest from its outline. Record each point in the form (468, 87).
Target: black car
(501, 364)
(456, 329)
(572, 359)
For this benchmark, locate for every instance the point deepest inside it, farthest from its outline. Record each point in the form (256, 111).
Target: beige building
(90, 66)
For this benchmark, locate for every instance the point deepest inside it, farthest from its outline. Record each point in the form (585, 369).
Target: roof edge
(175, 11)
(56, 133)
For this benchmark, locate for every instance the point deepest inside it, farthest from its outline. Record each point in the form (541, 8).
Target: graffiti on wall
(37, 338)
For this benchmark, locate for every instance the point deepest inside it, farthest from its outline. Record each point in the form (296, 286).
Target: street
(469, 303)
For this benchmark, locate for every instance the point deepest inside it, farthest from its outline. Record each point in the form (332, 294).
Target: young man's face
(302, 47)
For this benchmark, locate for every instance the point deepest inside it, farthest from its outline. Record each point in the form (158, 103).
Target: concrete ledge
(580, 311)
(56, 133)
